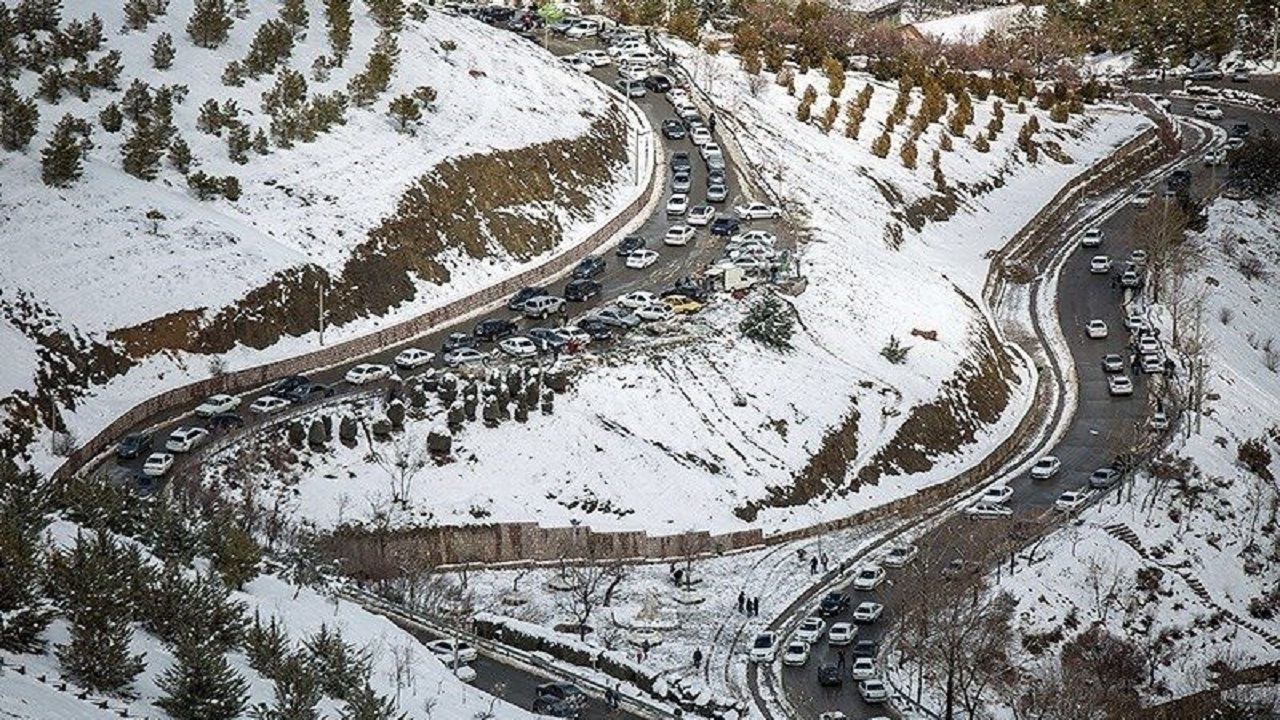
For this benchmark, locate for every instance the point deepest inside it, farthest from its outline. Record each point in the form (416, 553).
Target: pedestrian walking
(813, 566)
(824, 562)
(840, 662)
(742, 600)
(697, 657)
(755, 607)
(711, 122)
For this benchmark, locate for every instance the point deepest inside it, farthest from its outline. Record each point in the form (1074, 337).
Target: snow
(89, 257)
(972, 27)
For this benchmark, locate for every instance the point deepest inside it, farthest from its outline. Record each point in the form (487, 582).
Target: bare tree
(405, 460)
(585, 595)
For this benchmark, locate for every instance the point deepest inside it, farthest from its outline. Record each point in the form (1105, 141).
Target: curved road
(1101, 428)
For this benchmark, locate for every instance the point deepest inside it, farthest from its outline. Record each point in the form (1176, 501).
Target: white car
(757, 211)
(185, 439)
(868, 578)
(755, 252)
(1151, 364)
(616, 317)
(268, 404)
(1112, 363)
(864, 668)
(414, 357)
(867, 612)
(764, 648)
(1148, 345)
(463, 356)
(157, 464)
(1096, 329)
(841, 633)
(1100, 265)
(450, 649)
(597, 58)
(1138, 257)
(543, 306)
(1130, 278)
(1215, 157)
(577, 63)
(367, 373)
(637, 299)
(641, 259)
(700, 215)
(796, 654)
(700, 136)
(811, 629)
(900, 556)
(1046, 467)
(988, 510)
(997, 494)
(678, 204)
(656, 312)
(1119, 385)
(873, 691)
(519, 347)
(1142, 198)
(1135, 321)
(1159, 421)
(754, 236)
(678, 235)
(1208, 111)
(1092, 238)
(1072, 500)
(572, 334)
(709, 148)
(583, 29)
(215, 404)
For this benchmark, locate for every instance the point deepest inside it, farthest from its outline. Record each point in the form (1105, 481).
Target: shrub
(880, 148)
(770, 322)
(1255, 456)
(1060, 113)
(894, 351)
(981, 144)
(829, 117)
(806, 104)
(834, 70)
(909, 155)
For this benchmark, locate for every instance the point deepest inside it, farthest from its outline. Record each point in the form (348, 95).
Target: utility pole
(320, 284)
(1275, 38)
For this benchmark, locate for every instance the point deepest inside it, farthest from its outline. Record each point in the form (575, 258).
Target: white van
(583, 29)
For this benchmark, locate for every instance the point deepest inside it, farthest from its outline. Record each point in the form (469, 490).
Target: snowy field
(677, 439)
(972, 27)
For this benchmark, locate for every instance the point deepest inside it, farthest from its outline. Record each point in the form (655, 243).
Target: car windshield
(764, 641)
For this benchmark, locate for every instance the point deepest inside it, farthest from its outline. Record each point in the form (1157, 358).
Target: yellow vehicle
(681, 304)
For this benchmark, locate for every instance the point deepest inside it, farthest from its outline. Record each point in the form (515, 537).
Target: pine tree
(239, 142)
(404, 109)
(180, 158)
(210, 22)
(266, 645)
(337, 15)
(339, 666)
(806, 104)
(169, 532)
(32, 16)
(961, 116)
(829, 116)
(19, 121)
(111, 118)
(981, 144)
(141, 152)
(234, 553)
(271, 46)
(288, 93)
(61, 161)
(945, 143)
(770, 322)
(835, 76)
(261, 144)
(233, 74)
(201, 685)
(137, 101)
(853, 123)
(51, 83)
(163, 52)
(23, 519)
(297, 691)
(908, 155)
(365, 88)
(294, 13)
(389, 14)
(880, 147)
(210, 120)
(107, 70)
(1060, 113)
(137, 14)
(365, 704)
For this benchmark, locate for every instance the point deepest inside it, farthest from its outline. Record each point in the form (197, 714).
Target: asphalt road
(673, 263)
(1101, 426)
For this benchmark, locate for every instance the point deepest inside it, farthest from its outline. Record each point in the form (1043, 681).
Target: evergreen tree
(339, 666)
(210, 22)
(404, 109)
(51, 83)
(239, 142)
(288, 93)
(94, 581)
(32, 16)
(829, 116)
(770, 322)
(297, 691)
(945, 143)
(61, 161)
(203, 605)
(806, 104)
(23, 519)
(162, 52)
(272, 45)
(294, 13)
(834, 70)
(137, 101)
(141, 152)
(19, 121)
(107, 70)
(201, 685)
(111, 118)
(137, 14)
(266, 645)
(204, 186)
(180, 158)
(853, 123)
(365, 704)
(337, 15)
(161, 118)
(365, 88)
(210, 120)
(235, 555)
(233, 74)
(909, 155)
(389, 14)
(169, 533)
(880, 146)
(261, 144)
(981, 144)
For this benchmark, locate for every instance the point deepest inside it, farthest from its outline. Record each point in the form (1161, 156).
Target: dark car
(457, 340)
(833, 604)
(308, 391)
(680, 161)
(546, 339)
(287, 385)
(1178, 180)
(688, 287)
(596, 329)
(581, 290)
(523, 295)
(657, 83)
(630, 244)
(591, 266)
(563, 692)
(134, 445)
(866, 648)
(551, 707)
(1240, 130)
(494, 329)
(725, 225)
(225, 421)
(673, 129)
(829, 675)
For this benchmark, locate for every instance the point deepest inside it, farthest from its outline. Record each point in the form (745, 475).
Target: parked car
(869, 578)
(1096, 329)
(1159, 421)
(1100, 265)
(519, 347)
(596, 328)
(268, 405)
(700, 136)
(1092, 238)
(1148, 344)
(563, 692)
(678, 235)
(678, 204)
(681, 304)
(841, 633)
(456, 340)
(867, 612)
(1119, 385)
(873, 691)
(863, 668)
(657, 83)
(1130, 278)
(157, 464)
(1072, 500)
(681, 182)
(1208, 111)
(900, 555)
(833, 603)
(811, 629)
(1112, 363)
(413, 357)
(591, 266)
(796, 653)
(680, 161)
(641, 259)
(133, 445)
(463, 356)
(308, 391)
(491, 329)
(1240, 76)
(367, 373)
(700, 215)
(548, 339)
(1136, 321)
(757, 211)
(1103, 478)
(583, 29)
(225, 421)
(1151, 364)
(866, 649)
(1217, 156)
(988, 510)
(631, 88)
(524, 295)
(630, 244)
(673, 129)
(450, 650)
(764, 647)
(614, 317)
(596, 57)
(1046, 467)
(754, 236)
(829, 675)
(1142, 198)
(215, 404)
(284, 385)
(725, 225)
(655, 312)
(185, 439)
(581, 290)
(543, 307)
(717, 193)
(636, 299)
(996, 494)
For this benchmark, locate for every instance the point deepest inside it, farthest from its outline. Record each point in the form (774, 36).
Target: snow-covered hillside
(1185, 562)
(112, 251)
(717, 432)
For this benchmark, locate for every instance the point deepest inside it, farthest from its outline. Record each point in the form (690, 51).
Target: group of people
(750, 606)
